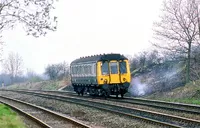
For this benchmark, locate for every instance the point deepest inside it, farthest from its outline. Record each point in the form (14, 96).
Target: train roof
(101, 57)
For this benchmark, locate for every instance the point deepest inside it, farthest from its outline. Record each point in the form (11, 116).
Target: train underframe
(102, 90)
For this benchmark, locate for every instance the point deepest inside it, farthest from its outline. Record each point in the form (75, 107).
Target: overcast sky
(87, 27)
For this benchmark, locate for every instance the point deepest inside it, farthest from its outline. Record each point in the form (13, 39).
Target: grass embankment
(42, 85)
(190, 94)
(9, 119)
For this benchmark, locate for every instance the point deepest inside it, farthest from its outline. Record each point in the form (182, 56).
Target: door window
(113, 67)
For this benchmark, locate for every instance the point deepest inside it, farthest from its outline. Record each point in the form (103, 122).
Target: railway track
(186, 108)
(43, 117)
(145, 115)
(181, 107)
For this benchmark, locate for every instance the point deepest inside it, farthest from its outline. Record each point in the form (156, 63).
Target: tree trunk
(198, 20)
(188, 63)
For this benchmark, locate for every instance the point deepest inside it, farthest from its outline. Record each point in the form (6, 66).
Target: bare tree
(52, 71)
(143, 59)
(1, 49)
(33, 14)
(65, 69)
(57, 71)
(32, 76)
(133, 62)
(13, 65)
(153, 58)
(178, 30)
(30, 73)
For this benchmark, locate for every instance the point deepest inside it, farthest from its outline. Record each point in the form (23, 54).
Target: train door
(114, 72)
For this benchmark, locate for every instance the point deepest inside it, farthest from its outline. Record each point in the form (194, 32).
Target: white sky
(87, 27)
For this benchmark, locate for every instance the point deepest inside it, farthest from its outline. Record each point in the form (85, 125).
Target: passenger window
(94, 68)
(76, 70)
(104, 68)
(83, 71)
(122, 66)
(86, 70)
(89, 67)
(113, 67)
(79, 70)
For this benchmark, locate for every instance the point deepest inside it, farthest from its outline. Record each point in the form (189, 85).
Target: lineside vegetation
(9, 119)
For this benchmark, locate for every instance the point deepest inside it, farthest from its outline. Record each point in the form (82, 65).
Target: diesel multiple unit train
(101, 75)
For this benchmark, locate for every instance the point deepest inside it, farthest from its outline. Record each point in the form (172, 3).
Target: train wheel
(116, 95)
(122, 95)
(92, 92)
(82, 91)
(79, 90)
(104, 94)
(122, 92)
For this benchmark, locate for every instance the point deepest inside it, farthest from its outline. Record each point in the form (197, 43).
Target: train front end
(114, 75)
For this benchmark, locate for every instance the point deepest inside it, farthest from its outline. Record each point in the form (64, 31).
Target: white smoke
(171, 74)
(137, 88)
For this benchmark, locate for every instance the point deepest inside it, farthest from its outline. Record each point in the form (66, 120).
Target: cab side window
(122, 66)
(104, 68)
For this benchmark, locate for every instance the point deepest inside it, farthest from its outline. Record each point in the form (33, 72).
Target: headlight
(124, 79)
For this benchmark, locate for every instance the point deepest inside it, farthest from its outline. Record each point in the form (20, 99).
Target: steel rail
(159, 118)
(186, 108)
(42, 123)
(34, 119)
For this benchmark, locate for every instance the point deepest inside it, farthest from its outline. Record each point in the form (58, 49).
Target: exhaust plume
(137, 88)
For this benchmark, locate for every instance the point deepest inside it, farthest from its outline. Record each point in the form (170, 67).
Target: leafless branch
(178, 29)
(33, 14)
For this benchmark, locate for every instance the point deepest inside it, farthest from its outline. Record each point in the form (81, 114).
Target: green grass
(51, 86)
(188, 101)
(42, 85)
(189, 94)
(184, 100)
(9, 119)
